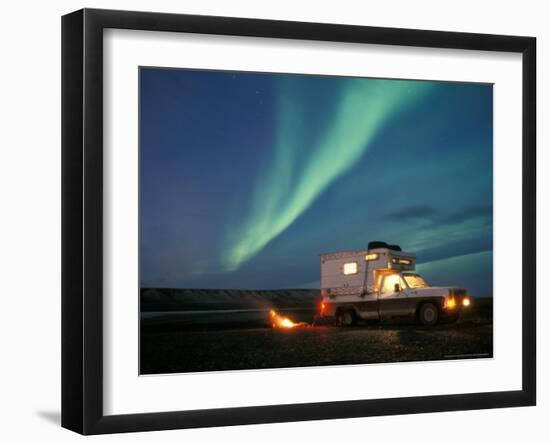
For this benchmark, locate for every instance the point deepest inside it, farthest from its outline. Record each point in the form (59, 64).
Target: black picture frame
(82, 221)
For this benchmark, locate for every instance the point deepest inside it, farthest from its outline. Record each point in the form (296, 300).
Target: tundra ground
(234, 340)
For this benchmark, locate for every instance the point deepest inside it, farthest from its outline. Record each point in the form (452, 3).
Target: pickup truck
(379, 283)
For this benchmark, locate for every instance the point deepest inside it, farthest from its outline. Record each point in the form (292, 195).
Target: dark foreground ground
(168, 352)
(234, 338)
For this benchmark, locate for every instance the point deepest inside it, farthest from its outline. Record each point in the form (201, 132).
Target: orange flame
(279, 321)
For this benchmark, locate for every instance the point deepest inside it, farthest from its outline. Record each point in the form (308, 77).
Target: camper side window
(350, 268)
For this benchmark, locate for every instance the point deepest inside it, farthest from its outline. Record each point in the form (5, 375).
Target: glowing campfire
(278, 321)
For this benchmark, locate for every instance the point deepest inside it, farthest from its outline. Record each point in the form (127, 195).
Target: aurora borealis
(289, 187)
(245, 178)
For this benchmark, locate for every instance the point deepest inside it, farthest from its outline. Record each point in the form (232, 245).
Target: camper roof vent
(382, 244)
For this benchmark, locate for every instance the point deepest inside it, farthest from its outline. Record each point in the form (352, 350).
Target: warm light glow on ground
(278, 321)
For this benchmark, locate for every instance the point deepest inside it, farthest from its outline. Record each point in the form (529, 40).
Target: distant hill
(166, 299)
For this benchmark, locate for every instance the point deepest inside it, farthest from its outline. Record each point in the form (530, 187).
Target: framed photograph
(269, 221)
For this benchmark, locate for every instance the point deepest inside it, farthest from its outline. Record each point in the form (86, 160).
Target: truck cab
(379, 283)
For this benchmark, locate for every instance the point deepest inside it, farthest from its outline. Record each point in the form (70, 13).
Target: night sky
(245, 178)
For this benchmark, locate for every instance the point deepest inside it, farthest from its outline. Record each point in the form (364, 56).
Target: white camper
(379, 282)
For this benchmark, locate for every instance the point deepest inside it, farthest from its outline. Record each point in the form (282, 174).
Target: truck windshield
(415, 281)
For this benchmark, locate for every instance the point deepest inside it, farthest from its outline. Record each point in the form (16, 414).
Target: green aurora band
(297, 175)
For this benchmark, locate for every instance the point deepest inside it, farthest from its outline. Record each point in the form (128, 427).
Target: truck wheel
(428, 314)
(347, 318)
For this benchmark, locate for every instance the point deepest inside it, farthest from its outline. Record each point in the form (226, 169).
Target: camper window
(401, 261)
(350, 268)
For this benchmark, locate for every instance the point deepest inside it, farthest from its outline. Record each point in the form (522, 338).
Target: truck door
(368, 306)
(393, 296)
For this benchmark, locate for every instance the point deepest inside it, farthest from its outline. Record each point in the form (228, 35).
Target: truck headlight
(466, 301)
